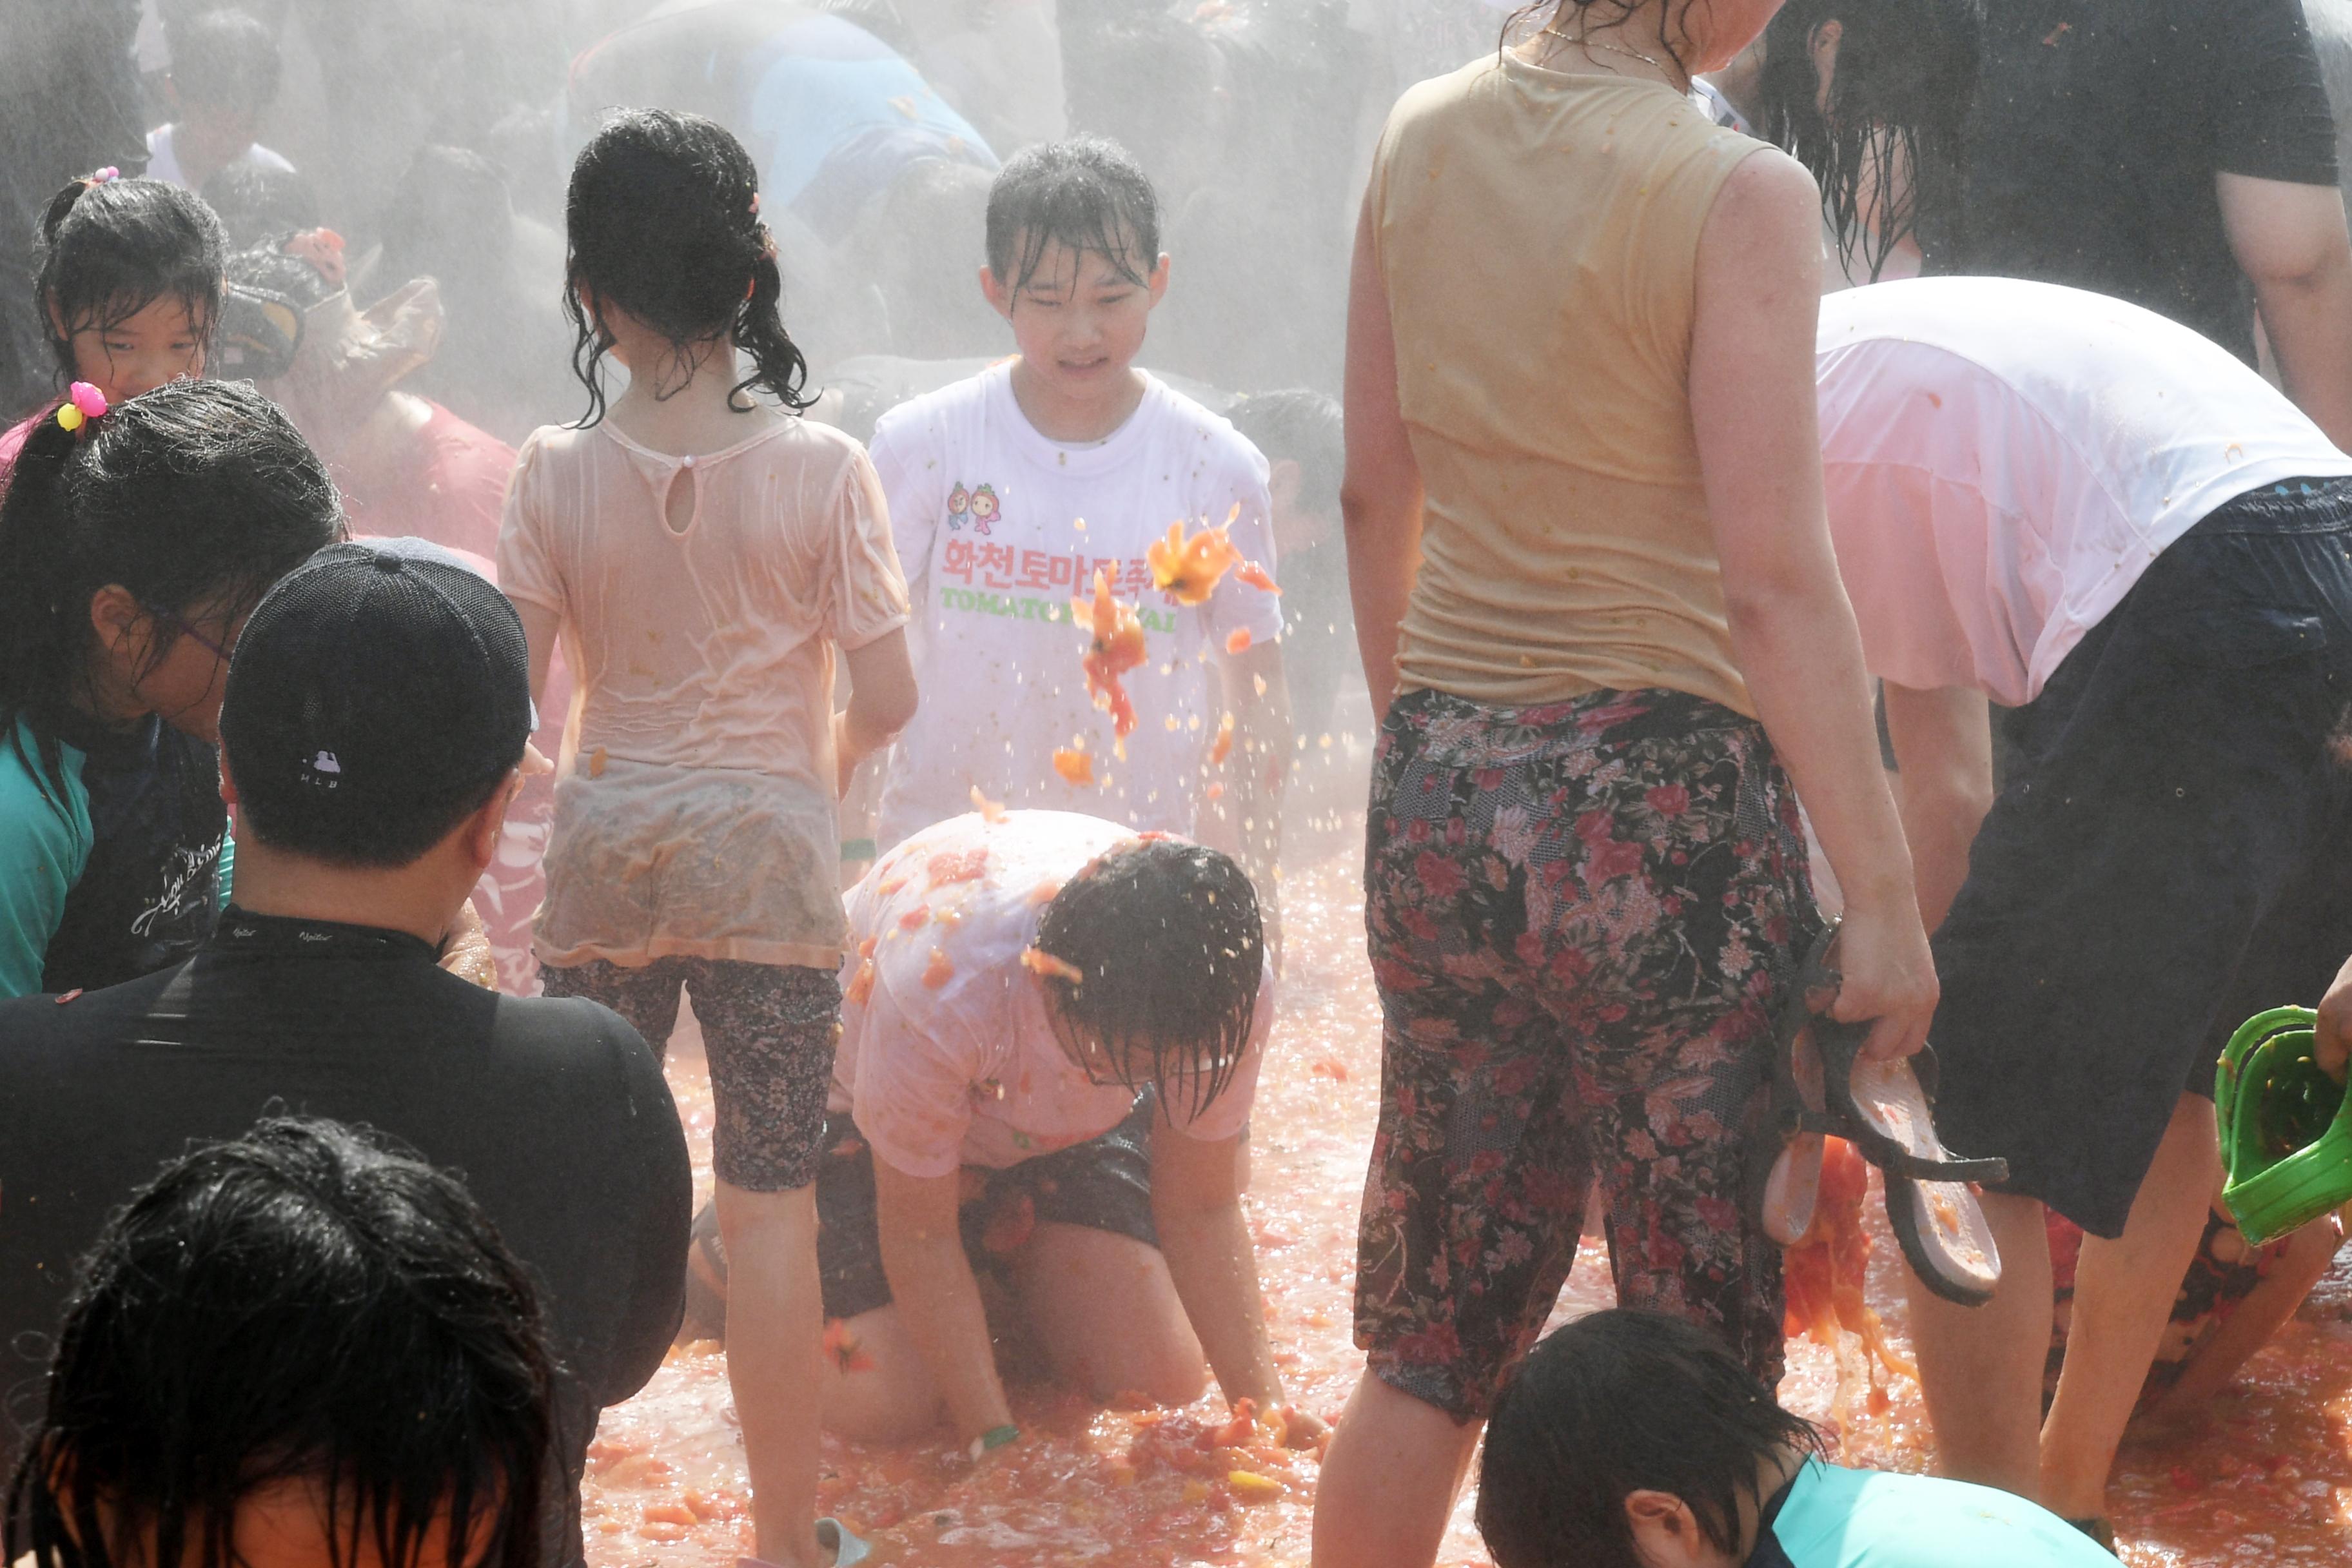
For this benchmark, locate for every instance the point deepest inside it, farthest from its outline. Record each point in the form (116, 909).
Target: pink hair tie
(103, 175)
(83, 403)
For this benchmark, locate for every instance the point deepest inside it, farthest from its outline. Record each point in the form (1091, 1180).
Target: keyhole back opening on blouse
(681, 497)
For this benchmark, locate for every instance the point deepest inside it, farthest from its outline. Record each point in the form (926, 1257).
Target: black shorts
(2167, 855)
(1104, 1184)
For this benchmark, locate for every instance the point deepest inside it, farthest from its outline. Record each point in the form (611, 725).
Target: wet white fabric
(695, 802)
(947, 1057)
(2004, 458)
(999, 527)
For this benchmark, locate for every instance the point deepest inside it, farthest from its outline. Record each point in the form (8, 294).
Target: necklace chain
(1588, 44)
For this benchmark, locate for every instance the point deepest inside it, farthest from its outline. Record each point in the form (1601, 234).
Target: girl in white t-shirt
(1049, 1051)
(702, 552)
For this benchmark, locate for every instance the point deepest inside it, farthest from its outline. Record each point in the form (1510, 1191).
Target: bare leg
(2124, 1291)
(1389, 1481)
(1980, 1367)
(885, 1394)
(1106, 1312)
(775, 1322)
(2257, 1318)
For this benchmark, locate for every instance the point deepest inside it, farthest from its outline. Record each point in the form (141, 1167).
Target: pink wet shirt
(947, 1058)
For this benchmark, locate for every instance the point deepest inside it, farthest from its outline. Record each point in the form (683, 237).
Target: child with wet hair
(129, 288)
(1052, 1040)
(1014, 489)
(224, 78)
(1633, 1440)
(298, 1348)
(705, 555)
(133, 541)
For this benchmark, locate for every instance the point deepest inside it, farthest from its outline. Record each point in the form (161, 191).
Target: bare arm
(1943, 744)
(541, 627)
(1380, 496)
(2290, 242)
(1792, 630)
(881, 701)
(917, 1220)
(1197, 1207)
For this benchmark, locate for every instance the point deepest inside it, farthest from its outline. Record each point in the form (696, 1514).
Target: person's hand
(2331, 1036)
(1303, 1429)
(1889, 977)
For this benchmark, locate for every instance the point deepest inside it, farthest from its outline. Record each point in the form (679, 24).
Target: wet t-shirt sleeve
(909, 462)
(2266, 102)
(868, 596)
(45, 840)
(526, 564)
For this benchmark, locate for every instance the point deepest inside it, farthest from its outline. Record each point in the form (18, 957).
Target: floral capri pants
(1582, 917)
(769, 1031)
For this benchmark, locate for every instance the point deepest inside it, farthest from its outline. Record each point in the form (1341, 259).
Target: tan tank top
(1537, 236)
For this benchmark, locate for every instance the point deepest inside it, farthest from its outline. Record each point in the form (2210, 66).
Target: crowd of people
(1833, 518)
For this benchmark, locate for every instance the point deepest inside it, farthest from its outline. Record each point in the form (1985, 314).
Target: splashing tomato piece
(989, 811)
(915, 917)
(940, 970)
(1257, 576)
(1075, 767)
(1223, 746)
(1117, 646)
(1238, 640)
(1037, 961)
(861, 984)
(1189, 570)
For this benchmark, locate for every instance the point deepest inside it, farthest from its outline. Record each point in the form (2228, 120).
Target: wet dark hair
(195, 495)
(1897, 115)
(663, 222)
(1305, 427)
(224, 58)
(111, 250)
(303, 1304)
(1084, 193)
(1165, 934)
(256, 202)
(1615, 1403)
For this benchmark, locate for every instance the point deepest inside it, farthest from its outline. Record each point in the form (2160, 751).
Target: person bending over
(300, 1348)
(1051, 1041)
(1631, 1440)
(2102, 521)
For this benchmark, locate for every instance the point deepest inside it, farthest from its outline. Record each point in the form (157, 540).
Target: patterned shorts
(769, 1031)
(1582, 916)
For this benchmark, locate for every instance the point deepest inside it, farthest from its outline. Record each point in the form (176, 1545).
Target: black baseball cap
(378, 695)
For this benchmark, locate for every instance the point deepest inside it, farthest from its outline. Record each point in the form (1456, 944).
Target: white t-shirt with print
(997, 528)
(2002, 459)
(947, 1058)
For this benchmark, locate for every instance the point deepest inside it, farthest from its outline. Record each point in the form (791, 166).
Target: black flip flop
(1884, 1108)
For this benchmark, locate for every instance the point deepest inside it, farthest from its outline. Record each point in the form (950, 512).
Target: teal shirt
(1835, 1518)
(46, 840)
(44, 846)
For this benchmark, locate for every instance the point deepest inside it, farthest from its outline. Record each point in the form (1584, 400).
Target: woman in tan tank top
(1596, 599)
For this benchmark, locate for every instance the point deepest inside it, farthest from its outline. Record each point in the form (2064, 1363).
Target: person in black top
(372, 735)
(2181, 156)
